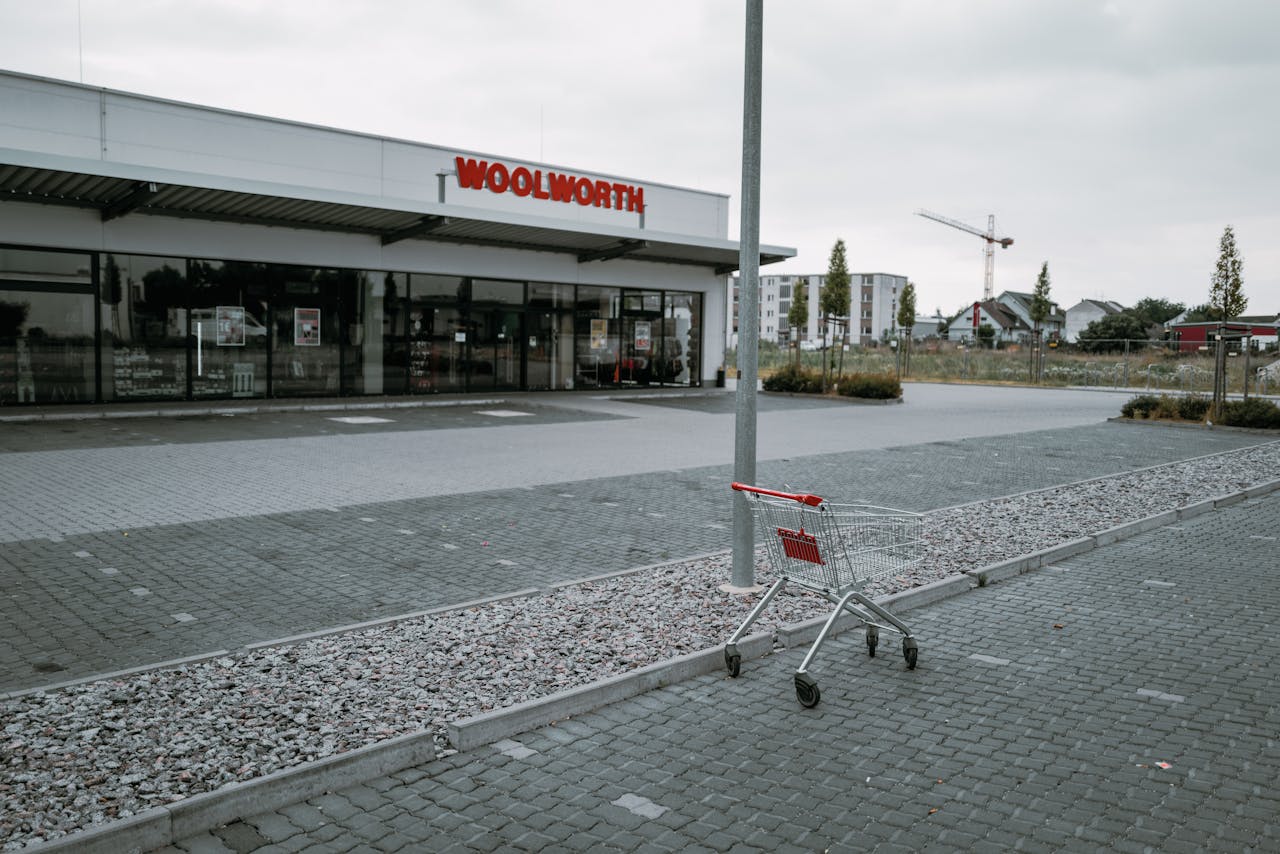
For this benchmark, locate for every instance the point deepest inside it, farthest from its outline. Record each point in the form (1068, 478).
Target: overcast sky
(1112, 138)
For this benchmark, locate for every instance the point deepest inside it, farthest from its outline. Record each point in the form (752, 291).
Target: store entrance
(495, 349)
(549, 357)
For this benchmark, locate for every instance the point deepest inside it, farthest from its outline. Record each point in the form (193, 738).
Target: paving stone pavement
(109, 597)
(1124, 699)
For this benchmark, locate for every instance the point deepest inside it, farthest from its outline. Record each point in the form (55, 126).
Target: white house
(1085, 312)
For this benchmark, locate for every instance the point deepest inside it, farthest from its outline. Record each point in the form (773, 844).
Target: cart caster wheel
(910, 652)
(733, 663)
(807, 691)
(873, 638)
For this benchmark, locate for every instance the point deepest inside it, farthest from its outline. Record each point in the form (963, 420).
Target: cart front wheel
(910, 652)
(807, 690)
(873, 638)
(733, 663)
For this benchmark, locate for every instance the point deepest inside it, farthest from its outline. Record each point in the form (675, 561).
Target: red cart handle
(801, 497)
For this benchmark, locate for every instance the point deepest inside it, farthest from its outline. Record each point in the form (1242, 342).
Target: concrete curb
(1025, 563)
(117, 674)
(502, 723)
(161, 826)
(178, 411)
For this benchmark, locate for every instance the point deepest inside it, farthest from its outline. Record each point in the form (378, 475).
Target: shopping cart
(834, 550)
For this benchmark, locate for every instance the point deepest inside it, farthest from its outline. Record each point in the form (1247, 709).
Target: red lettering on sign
(471, 173)
(561, 186)
(521, 181)
(498, 178)
(635, 200)
(538, 192)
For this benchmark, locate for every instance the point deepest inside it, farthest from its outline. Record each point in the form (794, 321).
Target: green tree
(833, 302)
(1107, 334)
(1041, 305)
(986, 334)
(798, 314)
(907, 307)
(1199, 313)
(1226, 291)
(1154, 311)
(906, 320)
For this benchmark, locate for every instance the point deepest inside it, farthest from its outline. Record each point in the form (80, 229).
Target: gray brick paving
(1057, 749)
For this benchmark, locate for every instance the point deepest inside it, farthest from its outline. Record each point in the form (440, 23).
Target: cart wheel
(909, 652)
(807, 690)
(733, 662)
(873, 638)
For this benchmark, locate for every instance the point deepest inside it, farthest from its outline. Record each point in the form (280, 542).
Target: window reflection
(121, 327)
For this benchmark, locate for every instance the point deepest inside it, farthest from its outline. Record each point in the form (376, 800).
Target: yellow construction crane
(988, 281)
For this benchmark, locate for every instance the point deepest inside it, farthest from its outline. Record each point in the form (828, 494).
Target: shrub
(1141, 406)
(1193, 407)
(872, 386)
(794, 378)
(1254, 412)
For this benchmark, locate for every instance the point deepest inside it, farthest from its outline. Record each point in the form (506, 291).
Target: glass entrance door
(495, 349)
(549, 354)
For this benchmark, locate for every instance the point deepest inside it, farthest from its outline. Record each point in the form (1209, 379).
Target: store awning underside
(116, 197)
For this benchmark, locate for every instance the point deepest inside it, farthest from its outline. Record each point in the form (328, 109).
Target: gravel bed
(109, 749)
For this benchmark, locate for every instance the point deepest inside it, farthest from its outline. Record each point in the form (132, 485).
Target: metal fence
(1155, 366)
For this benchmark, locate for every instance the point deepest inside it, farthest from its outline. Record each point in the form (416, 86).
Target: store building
(155, 250)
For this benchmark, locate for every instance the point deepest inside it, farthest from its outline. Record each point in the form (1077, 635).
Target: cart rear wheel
(732, 662)
(873, 638)
(910, 652)
(807, 690)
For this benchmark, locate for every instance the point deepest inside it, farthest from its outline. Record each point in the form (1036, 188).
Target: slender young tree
(1226, 291)
(834, 300)
(906, 320)
(1040, 308)
(798, 314)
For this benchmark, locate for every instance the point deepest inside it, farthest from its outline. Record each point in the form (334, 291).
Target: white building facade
(1085, 312)
(156, 250)
(873, 307)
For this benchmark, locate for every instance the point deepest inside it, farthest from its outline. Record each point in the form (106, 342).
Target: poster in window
(306, 327)
(642, 336)
(230, 323)
(599, 333)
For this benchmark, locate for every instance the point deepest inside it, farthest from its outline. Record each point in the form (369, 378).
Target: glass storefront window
(144, 327)
(121, 327)
(371, 303)
(437, 340)
(306, 345)
(502, 293)
(681, 339)
(596, 337)
(47, 348)
(229, 316)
